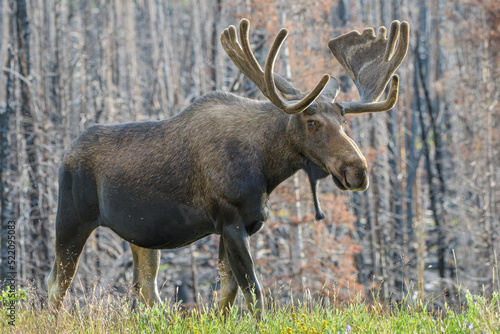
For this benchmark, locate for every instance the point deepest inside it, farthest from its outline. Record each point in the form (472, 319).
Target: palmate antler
(370, 61)
(243, 57)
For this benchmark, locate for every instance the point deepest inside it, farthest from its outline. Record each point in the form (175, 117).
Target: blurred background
(428, 224)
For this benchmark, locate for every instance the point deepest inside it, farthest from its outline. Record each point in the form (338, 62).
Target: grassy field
(114, 315)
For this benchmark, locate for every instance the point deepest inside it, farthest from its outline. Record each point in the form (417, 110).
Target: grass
(114, 315)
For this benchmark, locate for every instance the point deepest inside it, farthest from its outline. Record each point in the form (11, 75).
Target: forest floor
(115, 315)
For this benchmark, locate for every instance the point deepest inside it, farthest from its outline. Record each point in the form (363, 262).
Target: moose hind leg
(69, 245)
(228, 284)
(146, 264)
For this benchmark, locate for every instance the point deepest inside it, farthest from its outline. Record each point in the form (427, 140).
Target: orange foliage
(327, 245)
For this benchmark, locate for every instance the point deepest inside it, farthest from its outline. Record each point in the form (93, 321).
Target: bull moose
(211, 168)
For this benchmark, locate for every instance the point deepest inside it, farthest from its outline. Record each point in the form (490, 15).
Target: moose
(211, 168)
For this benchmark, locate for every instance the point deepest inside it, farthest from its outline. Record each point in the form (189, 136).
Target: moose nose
(355, 179)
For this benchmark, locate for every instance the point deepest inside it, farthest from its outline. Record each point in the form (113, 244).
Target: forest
(427, 226)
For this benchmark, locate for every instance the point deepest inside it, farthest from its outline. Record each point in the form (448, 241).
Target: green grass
(114, 315)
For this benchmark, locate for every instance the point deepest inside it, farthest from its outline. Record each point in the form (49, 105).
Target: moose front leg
(237, 246)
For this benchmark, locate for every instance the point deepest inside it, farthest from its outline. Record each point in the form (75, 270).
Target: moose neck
(257, 132)
(282, 157)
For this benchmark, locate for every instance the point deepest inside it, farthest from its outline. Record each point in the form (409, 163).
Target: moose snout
(355, 178)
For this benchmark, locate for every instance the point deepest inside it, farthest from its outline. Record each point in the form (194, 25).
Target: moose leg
(228, 284)
(236, 243)
(146, 264)
(69, 246)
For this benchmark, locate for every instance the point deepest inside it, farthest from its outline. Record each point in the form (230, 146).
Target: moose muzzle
(351, 178)
(355, 178)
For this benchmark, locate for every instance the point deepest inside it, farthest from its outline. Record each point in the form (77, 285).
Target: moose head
(368, 59)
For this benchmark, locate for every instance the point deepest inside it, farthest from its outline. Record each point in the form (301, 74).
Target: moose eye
(311, 123)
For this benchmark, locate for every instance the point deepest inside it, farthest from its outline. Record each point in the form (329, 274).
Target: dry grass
(112, 314)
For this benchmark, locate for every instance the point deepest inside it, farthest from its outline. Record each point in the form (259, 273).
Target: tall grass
(112, 314)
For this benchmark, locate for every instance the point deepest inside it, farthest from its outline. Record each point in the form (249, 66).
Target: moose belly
(164, 225)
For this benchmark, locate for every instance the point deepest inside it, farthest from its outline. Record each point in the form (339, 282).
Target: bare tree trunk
(430, 174)
(172, 71)
(67, 112)
(296, 242)
(215, 43)
(380, 263)
(108, 56)
(1, 39)
(83, 56)
(433, 190)
(5, 205)
(421, 247)
(130, 54)
(433, 109)
(38, 228)
(490, 212)
(395, 207)
(194, 272)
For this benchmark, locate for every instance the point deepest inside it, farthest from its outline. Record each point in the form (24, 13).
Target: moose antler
(243, 57)
(370, 62)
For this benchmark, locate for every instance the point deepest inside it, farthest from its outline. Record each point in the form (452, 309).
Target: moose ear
(289, 92)
(331, 90)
